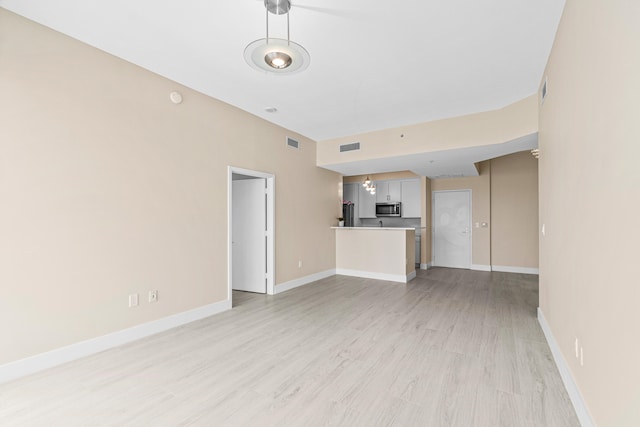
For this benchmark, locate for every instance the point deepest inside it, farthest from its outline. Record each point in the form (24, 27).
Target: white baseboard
(379, 276)
(480, 267)
(49, 359)
(411, 276)
(301, 281)
(425, 266)
(572, 389)
(509, 269)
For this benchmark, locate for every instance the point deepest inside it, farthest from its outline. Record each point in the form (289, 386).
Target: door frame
(270, 232)
(433, 222)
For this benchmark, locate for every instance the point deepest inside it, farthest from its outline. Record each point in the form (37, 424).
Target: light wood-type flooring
(451, 348)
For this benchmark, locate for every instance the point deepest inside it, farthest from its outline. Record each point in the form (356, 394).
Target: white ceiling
(374, 64)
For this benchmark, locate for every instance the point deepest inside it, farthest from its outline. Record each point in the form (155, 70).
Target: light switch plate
(133, 300)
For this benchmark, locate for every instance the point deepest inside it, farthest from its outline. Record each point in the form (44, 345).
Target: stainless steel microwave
(388, 209)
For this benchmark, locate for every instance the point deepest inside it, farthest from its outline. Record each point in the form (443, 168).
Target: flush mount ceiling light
(274, 55)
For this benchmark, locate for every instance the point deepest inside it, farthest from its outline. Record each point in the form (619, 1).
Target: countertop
(374, 228)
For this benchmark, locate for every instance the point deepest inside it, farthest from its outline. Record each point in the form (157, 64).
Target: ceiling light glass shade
(276, 56)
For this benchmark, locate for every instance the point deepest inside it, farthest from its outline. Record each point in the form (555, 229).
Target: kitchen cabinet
(406, 191)
(366, 205)
(411, 198)
(350, 192)
(388, 191)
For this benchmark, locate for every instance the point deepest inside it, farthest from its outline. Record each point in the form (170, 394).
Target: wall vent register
(350, 147)
(293, 143)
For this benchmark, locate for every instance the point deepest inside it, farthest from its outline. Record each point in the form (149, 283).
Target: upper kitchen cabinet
(411, 198)
(366, 203)
(388, 191)
(350, 193)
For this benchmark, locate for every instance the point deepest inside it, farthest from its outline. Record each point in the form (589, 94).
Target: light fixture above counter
(369, 185)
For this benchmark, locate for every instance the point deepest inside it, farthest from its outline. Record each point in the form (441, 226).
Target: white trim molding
(301, 281)
(425, 266)
(480, 267)
(39, 362)
(378, 276)
(565, 373)
(509, 269)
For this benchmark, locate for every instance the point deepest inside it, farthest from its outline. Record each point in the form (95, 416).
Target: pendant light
(369, 185)
(274, 55)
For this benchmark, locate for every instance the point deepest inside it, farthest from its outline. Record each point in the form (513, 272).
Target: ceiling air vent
(293, 143)
(350, 147)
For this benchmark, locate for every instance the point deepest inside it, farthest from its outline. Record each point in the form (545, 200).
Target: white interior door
(452, 229)
(249, 262)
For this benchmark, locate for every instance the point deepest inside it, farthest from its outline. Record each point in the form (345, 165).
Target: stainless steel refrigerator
(347, 214)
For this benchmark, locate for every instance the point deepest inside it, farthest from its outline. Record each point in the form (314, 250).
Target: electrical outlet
(133, 300)
(577, 349)
(153, 296)
(300, 263)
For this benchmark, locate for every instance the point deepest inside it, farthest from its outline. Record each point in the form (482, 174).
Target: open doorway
(250, 225)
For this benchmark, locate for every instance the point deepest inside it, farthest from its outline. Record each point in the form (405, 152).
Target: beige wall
(514, 210)
(590, 203)
(109, 189)
(480, 187)
(491, 127)
(505, 196)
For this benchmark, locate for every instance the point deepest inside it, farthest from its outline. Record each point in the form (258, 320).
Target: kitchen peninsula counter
(385, 253)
